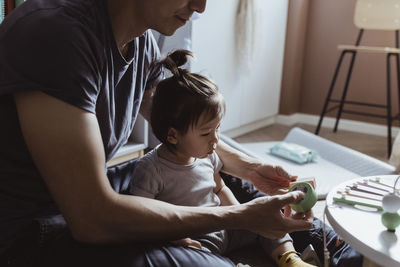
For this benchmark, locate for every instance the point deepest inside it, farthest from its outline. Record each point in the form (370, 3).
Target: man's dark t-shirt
(66, 49)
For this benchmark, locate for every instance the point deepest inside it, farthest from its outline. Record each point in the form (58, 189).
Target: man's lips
(183, 19)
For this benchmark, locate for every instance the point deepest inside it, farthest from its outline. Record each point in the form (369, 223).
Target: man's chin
(167, 32)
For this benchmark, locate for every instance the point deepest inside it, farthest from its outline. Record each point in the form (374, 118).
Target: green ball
(390, 220)
(309, 200)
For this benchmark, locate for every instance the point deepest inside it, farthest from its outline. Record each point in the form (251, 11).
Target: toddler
(184, 170)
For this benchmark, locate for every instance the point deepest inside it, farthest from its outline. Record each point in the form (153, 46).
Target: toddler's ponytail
(176, 59)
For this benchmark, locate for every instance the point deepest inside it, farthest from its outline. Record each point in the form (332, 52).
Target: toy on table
(310, 197)
(374, 196)
(391, 204)
(362, 194)
(353, 202)
(351, 193)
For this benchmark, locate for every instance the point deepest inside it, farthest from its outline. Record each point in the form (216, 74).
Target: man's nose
(198, 5)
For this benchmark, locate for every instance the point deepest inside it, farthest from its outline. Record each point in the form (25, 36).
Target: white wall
(249, 96)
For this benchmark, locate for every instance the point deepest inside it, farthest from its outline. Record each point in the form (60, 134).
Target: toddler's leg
(282, 251)
(291, 259)
(341, 254)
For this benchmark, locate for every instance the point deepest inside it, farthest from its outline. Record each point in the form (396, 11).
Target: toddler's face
(200, 140)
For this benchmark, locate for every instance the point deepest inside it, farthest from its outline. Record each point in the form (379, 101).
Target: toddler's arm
(223, 192)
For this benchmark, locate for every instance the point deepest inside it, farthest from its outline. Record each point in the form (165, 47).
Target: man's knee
(128, 255)
(179, 256)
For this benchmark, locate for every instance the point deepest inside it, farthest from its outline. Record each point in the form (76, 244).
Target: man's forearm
(135, 218)
(131, 218)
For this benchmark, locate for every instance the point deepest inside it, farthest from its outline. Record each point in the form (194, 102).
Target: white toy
(391, 204)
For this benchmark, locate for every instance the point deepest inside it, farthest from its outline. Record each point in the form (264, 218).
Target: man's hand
(298, 215)
(264, 216)
(271, 180)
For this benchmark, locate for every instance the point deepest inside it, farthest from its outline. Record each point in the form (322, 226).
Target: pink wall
(315, 28)
(294, 57)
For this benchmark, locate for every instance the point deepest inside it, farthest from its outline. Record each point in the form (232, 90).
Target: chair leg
(339, 114)
(398, 82)
(328, 97)
(389, 106)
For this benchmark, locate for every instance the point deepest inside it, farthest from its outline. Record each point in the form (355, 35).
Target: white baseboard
(289, 120)
(250, 127)
(344, 124)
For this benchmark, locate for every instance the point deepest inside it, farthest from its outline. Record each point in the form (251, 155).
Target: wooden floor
(372, 145)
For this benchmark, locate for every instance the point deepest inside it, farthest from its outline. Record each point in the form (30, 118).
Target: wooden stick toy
(355, 188)
(371, 186)
(349, 193)
(343, 199)
(377, 180)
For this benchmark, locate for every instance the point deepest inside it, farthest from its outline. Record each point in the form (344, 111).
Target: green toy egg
(390, 220)
(309, 200)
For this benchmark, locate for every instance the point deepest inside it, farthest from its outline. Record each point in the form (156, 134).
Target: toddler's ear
(172, 136)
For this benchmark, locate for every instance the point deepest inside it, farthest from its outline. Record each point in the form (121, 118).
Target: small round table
(362, 228)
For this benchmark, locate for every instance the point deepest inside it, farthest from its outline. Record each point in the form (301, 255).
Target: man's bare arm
(66, 146)
(235, 162)
(267, 178)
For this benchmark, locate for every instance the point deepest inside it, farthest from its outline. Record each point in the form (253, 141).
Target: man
(73, 75)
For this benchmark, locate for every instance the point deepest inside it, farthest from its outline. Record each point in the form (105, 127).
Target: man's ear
(172, 136)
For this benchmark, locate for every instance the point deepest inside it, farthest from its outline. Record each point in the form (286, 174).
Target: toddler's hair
(180, 100)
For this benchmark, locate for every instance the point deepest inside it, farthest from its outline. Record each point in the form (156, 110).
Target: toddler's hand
(308, 215)
(187, 242)
(272, 180)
